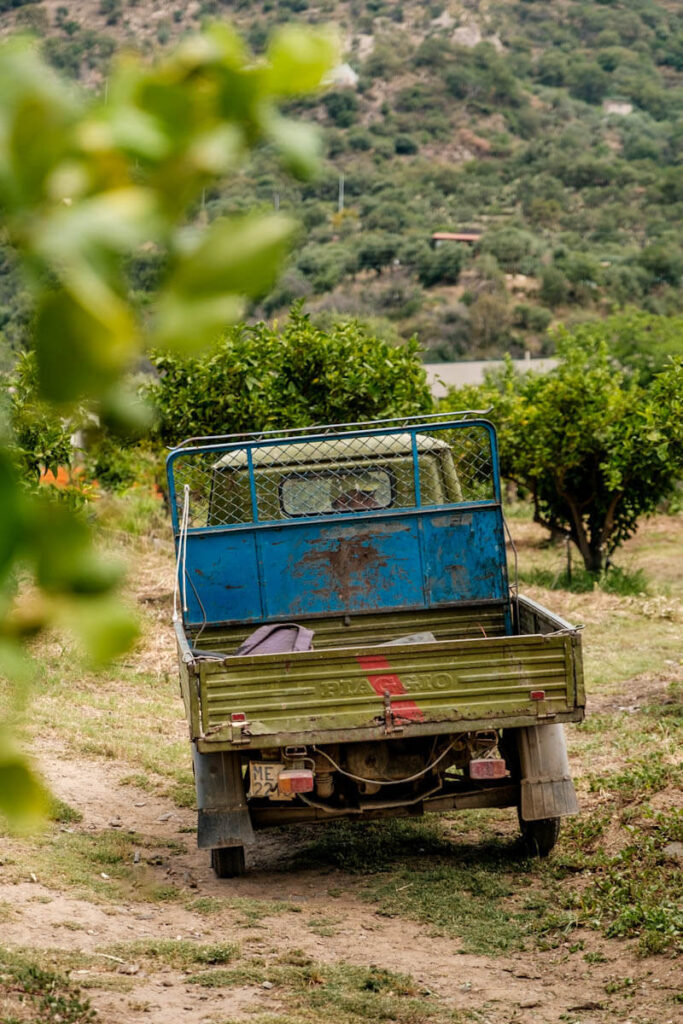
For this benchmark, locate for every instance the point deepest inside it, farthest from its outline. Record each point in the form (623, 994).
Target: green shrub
(112, 10)
(483, 79)
(554, 287)
(587, 81)
(405, 145)
(360, 139)
(342, 108)
(325, 265)
(441, 265)
(531, 318)
(664, 261)
(377, 251)
(552, 68)
(258, 378)
(516, 251)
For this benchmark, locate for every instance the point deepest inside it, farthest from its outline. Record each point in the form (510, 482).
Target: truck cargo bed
(352, 687)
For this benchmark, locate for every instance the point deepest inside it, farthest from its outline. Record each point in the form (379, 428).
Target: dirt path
(281, 906)
(526, 989)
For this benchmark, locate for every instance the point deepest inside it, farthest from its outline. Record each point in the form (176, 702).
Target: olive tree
(596, 449)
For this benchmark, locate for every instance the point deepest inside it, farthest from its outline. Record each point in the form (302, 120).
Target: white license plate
(263, 776)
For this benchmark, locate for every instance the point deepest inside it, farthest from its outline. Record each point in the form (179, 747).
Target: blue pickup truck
(349, 642)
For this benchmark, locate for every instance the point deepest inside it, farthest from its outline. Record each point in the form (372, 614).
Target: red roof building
(469, 238)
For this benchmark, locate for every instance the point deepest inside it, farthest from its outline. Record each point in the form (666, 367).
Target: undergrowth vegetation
(486, 894)
(578, 580)
(47, 996)
(633, 892)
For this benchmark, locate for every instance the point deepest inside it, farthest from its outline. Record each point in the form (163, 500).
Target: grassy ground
(285, 945)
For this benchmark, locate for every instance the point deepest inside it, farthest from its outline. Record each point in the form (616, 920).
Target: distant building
(621, 107)
(442, 376)
(465, 237)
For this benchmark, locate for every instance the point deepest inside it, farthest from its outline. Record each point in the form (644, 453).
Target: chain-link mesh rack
(334, 471)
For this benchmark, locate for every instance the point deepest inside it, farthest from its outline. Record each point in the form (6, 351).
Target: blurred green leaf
(103, 626)
(124, 413)
(299, 144)
(136, 132)
(65, 558)
(24, 800)
(81, 351)
(218, 150)
(11, 513)
(189, 323)
(16, 665)
(117, 220)
(37, 112)
(299, 59)
(235, 257)
(238, 254)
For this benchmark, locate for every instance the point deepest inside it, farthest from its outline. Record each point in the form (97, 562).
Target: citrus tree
(258, 378)
(596, 449)
(85, 181)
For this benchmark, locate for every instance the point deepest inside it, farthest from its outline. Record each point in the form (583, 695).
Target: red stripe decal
(383, 680)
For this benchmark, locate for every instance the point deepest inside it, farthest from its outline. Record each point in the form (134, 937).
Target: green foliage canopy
(260, 378)
(40, 438)
(641, 342)
(596, 449)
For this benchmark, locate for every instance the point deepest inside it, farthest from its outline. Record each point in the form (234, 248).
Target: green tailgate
(360, 693)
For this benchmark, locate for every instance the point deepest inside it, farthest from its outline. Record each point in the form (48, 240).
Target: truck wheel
(228, 861)
(539, 837)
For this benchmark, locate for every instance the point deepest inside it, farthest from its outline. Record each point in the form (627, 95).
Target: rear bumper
(221, 739)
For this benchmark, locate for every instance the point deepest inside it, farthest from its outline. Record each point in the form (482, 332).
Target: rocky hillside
(555, 139)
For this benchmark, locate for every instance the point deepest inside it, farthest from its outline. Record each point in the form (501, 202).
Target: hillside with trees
(555, 139)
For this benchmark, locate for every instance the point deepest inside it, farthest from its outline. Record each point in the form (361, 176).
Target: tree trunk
(589, 542)
(594, 559)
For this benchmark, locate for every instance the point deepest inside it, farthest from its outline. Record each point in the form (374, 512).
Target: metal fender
(223, 816)
(547, 790)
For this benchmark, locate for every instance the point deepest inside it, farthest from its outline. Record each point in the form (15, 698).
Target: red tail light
(295, 780)
(487, 768)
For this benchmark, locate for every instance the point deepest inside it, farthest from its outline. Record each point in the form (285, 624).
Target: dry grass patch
(107, 865)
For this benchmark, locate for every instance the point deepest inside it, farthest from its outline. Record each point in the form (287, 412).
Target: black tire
(228, 861)
(539, 837)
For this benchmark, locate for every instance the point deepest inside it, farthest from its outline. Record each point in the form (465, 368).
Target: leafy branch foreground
(83, 184)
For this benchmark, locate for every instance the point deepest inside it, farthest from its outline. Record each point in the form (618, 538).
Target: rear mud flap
(547, 790)
(223, 815)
